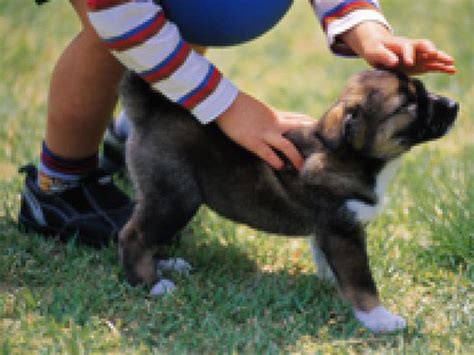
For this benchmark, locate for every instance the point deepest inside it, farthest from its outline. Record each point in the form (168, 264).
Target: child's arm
(138, 35)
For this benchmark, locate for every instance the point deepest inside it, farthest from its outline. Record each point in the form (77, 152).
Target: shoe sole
(27, 225)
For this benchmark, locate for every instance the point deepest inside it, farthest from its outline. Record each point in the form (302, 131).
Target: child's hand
(259, 129)
(374, 42)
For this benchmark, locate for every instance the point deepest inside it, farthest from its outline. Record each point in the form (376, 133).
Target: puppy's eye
(409, 108)
(412, 109)
(403, 141)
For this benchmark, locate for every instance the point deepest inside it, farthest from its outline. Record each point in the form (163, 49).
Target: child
(67, 195)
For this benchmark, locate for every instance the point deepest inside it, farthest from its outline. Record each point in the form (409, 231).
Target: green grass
(249, 292)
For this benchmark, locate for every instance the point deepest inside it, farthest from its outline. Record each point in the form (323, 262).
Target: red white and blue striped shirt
(139, 35)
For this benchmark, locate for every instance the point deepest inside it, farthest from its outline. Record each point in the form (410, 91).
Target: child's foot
(93, 210)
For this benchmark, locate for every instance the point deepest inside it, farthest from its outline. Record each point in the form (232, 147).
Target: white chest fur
(365, 212)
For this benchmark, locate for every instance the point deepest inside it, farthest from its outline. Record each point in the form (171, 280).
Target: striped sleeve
(338, 16)
(139, 35)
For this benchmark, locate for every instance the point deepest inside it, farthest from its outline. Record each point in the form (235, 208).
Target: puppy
(177, 164)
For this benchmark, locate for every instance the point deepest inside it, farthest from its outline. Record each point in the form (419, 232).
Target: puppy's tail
(141, 102)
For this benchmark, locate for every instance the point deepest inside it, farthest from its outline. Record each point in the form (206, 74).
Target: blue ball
(224, 22)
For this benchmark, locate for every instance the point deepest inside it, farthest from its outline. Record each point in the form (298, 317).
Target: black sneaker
(93, 211)
(112, 158)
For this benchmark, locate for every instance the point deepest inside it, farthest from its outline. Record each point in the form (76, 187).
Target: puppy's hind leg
(161, 211)
(135, 255)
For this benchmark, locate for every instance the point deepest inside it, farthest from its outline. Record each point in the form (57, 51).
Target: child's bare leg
(83, 93)
(66, 196)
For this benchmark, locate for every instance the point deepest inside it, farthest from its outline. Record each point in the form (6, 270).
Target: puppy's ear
(331, 126)
(343, 125)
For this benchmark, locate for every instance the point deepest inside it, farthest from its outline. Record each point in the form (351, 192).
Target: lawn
(249, 292)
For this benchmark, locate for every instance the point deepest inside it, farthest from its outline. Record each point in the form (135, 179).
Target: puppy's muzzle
(440, 116)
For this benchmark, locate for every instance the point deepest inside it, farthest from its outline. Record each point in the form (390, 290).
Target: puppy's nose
(451, 105)
(444, 106)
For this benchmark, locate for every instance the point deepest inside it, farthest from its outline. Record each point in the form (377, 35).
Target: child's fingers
(431, 66)
(424, 45)
(420, 56)
(444, 57)
(283, 145)
(408, 53)
(268, 155)
(412, 53)
(426, 49)
(443, 61)
(297, 118)
(294, 122)
(403, 49)
(440, 67)
(382, 56)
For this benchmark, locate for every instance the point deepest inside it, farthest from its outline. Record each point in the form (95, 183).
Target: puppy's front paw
(163, 287)
(174, 264)
(379, 320)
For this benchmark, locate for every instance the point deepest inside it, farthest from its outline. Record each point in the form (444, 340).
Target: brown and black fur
(177, 164)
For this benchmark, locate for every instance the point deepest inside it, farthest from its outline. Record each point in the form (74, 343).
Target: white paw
(163, 287)
(379, 320)
(174, 264)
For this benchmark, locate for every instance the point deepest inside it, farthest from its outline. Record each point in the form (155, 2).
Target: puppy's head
(382, 114)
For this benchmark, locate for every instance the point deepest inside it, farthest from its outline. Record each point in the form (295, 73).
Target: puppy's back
(142, 102)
